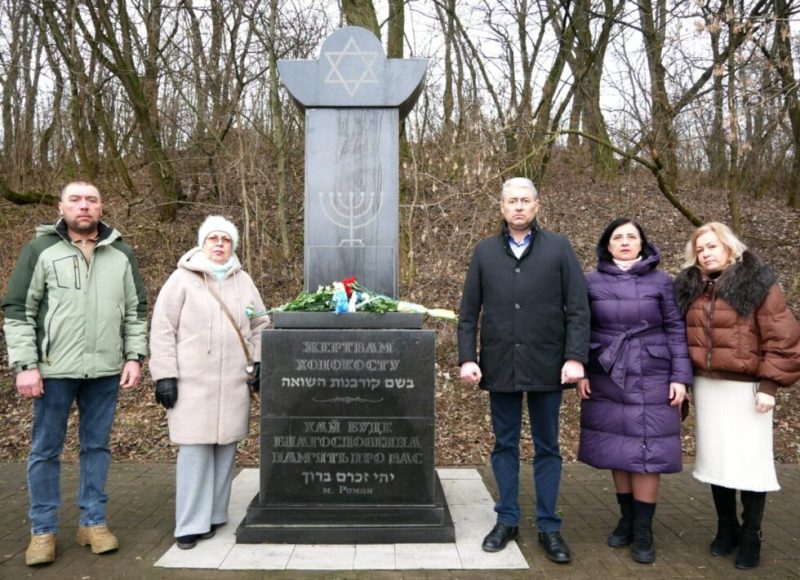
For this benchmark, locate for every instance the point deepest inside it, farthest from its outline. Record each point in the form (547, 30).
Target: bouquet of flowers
(350, 296)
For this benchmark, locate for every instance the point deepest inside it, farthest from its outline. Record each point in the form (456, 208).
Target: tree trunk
(361, 13)
(732, 181)
(26, 197)
(717, 160)
(661, 139)
(277, 130)
(12, 70)
(448, 29)
(785, 68)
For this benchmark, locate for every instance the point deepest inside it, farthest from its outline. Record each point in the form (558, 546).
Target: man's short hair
(79, 184)
(519, 183)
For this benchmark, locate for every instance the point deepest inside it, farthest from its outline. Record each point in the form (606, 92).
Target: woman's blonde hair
(725, 235)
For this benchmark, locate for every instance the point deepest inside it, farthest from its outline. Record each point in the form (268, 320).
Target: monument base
(342, 524)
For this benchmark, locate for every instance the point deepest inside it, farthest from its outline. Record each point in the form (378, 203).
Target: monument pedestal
(347, 433)
(352, 524)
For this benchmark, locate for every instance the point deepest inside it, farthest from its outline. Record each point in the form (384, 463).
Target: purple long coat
(638, 346)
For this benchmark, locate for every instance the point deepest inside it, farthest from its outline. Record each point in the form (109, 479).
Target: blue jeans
(97, 403)
(543, 410)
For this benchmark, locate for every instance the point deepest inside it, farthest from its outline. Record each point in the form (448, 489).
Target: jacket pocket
(67, 272)
(660, 358)
(658, 351)
(49, 330)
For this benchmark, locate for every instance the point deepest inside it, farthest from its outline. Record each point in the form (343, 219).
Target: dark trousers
(543, 410)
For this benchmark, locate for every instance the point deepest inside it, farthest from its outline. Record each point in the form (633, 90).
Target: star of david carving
(351, 51)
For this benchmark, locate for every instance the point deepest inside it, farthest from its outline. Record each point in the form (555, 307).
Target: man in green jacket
(76, 329)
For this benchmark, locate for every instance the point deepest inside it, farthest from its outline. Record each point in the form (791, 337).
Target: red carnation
(346, 283)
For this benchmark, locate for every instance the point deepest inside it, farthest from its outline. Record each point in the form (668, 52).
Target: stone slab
(351, 198)
(227, 555)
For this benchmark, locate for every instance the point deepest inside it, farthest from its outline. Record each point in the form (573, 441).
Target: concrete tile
(427, 557)
(322, 557)
(374, 557)
(454, 473)
(472, 522)
(466, 492)
(258, 557)
(223, 537)
(474, 558)
(208, 555)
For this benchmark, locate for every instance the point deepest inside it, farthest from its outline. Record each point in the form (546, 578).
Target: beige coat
(192, 340)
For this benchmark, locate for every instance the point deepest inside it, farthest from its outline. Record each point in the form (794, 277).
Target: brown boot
(98, 537)
(41, 550)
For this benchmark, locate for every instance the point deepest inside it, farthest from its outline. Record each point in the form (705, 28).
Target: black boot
(643, 550)
(728, 529)
(623, 533)
(749, 553)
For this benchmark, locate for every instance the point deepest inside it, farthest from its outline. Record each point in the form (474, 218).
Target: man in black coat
(527, 289)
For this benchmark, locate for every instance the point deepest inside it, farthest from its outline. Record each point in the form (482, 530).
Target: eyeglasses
(215, 239)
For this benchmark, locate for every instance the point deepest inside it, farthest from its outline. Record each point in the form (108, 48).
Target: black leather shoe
(499, 537)
(190, 541)
(187, 542)
(555, 547)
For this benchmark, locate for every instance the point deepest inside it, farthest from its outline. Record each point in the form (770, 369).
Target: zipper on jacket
(77, 267)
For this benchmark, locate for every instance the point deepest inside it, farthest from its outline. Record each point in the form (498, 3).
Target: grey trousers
(204, 475)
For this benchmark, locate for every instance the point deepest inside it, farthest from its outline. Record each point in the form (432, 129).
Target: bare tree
(784, 65)
(115, 40)
(278, 130)
(586, 59)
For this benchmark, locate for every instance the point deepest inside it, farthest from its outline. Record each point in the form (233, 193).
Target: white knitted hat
(217, 223)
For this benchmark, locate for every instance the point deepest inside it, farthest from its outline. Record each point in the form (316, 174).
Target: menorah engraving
(351, 210)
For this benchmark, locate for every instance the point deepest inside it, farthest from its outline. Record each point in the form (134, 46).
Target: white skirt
(734, 440)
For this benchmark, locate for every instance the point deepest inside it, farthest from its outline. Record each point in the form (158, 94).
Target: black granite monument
(347, 408)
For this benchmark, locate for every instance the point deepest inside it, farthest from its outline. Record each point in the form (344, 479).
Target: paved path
(142, 506)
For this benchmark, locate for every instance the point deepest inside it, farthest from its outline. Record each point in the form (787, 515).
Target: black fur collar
(743, 285)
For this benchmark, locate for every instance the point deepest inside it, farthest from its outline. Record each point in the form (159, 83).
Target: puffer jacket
(192, 340)
(70, 318)
(638, 347)
(738, 325)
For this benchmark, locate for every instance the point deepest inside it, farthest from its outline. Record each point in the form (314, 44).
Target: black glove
(254, 382)
(167, 392)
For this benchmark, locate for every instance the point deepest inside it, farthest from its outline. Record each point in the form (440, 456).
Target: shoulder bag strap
(250, 363)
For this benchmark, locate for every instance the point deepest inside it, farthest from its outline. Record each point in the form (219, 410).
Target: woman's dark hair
(602, 245)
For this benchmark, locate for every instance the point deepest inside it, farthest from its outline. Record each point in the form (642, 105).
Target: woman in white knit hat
(205, 350)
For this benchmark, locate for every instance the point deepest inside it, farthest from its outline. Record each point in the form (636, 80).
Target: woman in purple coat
(639, 367)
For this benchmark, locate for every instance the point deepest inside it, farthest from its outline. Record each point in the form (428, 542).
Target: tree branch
(655, 167)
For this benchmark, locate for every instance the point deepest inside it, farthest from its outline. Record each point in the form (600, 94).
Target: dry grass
(450, 215)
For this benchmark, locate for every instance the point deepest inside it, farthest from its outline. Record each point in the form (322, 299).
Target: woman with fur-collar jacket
(744, 343)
